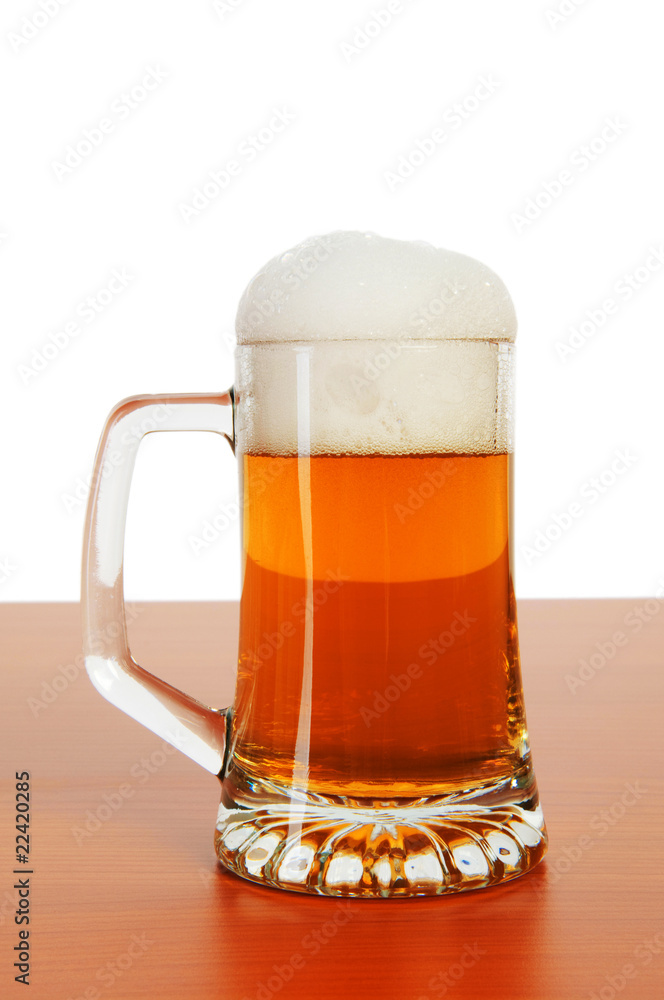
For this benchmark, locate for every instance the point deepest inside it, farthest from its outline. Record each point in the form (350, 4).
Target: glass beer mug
(377, 743)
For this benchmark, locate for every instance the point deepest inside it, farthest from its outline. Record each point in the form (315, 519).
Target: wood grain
(146, 880)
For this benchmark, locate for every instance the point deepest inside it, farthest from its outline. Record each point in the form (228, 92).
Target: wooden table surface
(127, 899)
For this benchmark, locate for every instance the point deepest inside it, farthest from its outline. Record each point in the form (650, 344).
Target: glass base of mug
(288, 839)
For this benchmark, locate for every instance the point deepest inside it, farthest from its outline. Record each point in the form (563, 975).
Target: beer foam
(354, 344)
(352, 285)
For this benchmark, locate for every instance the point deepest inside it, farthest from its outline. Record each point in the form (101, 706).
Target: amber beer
(376, 745)
(378, 639)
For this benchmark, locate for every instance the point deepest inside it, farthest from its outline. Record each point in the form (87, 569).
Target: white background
(556, 82)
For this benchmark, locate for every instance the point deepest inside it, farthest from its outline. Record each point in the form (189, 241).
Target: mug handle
(199, 731)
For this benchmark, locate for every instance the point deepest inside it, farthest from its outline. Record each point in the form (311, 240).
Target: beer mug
(377, 743)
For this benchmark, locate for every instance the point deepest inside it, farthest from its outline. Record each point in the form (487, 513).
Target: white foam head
(354, 344)
(360, 286)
